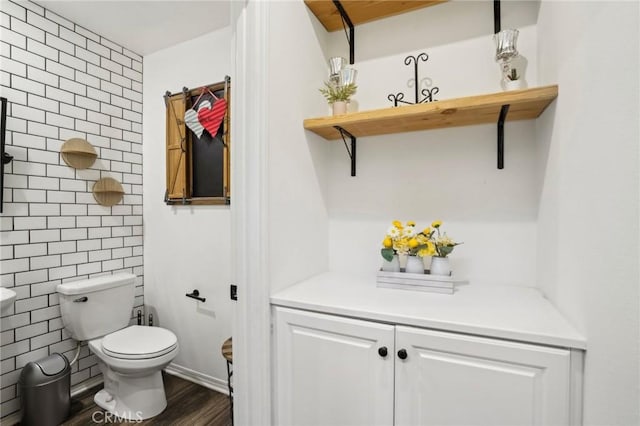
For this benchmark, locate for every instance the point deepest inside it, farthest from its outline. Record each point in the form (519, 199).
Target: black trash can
(45, 391)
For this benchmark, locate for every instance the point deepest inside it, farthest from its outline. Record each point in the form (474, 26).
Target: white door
(329, 370)
(455, 379)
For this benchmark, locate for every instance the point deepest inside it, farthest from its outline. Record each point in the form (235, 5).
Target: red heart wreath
(211, 118)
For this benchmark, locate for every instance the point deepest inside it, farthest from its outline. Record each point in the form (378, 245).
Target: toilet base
(131, 398)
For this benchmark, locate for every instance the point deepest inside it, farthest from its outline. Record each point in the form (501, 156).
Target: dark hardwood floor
(187, 404)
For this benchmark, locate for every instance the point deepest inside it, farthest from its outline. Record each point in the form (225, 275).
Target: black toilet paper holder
(195, 294)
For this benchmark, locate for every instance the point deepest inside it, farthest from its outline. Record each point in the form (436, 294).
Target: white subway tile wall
(63, 81)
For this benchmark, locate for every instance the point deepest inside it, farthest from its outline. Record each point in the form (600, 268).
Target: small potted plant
(512, 80)
(338, 96)
(403, 240)
(419, 247)
(443, 246)
(391, 247)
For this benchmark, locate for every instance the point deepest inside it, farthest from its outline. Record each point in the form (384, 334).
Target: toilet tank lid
(95, 284)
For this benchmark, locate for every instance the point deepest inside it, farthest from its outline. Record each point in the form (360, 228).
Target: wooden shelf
(523, 104)
(108, 191)
(362, 11)
(78, 153)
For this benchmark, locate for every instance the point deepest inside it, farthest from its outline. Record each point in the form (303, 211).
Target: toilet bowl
(130, 357)
(131, 361)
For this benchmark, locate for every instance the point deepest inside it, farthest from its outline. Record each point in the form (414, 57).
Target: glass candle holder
(506, 41)
(348, 76)
(336, 64)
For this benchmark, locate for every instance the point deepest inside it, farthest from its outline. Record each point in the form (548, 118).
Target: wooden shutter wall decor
(179, 161)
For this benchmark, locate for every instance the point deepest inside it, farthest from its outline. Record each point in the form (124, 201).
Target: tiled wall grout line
(111, 46)
(63, 81)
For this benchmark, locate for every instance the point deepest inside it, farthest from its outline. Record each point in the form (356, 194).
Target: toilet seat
(139, 342)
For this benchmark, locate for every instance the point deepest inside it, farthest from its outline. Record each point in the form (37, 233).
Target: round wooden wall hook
(108, 191)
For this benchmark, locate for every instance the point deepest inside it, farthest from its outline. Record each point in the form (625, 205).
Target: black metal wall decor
(428, 93)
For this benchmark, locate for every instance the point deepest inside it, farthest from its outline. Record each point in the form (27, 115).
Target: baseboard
(14, 418)
(209, 382)
(86, 385)
(11, 419)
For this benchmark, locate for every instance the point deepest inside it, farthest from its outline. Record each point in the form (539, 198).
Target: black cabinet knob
(382, 351)
(402, 354)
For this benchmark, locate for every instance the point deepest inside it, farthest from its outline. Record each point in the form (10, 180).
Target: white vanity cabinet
(455, 379)
(332, 370)
(349, 353)
(329, 371)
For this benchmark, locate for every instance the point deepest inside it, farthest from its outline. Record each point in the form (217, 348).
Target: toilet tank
(98, 306)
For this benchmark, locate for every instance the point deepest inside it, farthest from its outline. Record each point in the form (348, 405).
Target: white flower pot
(513, 84)
(391, 266)
(339, 108)
(440, 266)
(415, 265)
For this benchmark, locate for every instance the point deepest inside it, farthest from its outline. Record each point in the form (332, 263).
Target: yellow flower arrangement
(397, 240)
(443, 244)
(403, 239)
(425, 247)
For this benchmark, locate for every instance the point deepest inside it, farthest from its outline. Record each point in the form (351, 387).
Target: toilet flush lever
(81, 299)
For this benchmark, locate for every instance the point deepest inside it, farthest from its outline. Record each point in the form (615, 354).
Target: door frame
(249, 213)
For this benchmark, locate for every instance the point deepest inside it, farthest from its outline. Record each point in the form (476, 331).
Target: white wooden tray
(418, 282)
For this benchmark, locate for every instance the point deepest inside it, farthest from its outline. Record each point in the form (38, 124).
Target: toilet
(130, 357)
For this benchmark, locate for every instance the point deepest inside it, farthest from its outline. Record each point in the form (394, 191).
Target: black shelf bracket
(505, 108)
(503, 116)
(346, 22)
(352, 151)
(496, 16)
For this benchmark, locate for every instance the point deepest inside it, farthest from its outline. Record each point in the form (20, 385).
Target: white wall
(298, 223)
(187, 247)
(447, 174)
(588, 218)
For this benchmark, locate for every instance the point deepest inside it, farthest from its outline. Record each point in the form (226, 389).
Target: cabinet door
(455, 379)
(329, 371)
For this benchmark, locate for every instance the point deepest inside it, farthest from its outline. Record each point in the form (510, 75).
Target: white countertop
(507, 312)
